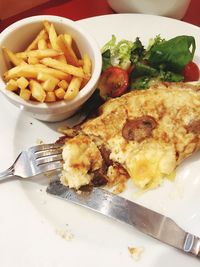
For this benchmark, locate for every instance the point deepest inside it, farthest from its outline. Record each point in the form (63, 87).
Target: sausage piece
(61, 140)
(139, 129)
(99, 179)
(105, 153)
(194, 127)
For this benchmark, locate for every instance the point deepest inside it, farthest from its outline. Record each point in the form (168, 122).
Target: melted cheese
(148, 165)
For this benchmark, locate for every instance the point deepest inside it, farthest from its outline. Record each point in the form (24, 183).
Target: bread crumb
(39, 141)
(65, 234)
(135, 252)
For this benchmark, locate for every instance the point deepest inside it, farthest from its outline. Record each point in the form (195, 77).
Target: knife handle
(192, 244)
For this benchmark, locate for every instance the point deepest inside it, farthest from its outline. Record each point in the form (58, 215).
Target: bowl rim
(71, 104)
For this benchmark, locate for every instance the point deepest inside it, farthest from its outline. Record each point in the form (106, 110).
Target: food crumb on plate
(65, 234)
(135, 252)
(39, 141)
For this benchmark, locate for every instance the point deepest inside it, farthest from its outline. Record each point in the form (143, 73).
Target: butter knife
(147, 221)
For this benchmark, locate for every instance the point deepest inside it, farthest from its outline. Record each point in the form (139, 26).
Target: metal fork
(36, 160)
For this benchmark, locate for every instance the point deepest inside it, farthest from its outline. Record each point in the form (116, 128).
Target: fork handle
(6, 174)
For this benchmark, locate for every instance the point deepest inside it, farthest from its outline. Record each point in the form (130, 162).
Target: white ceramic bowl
(169, 8)
(18, 35)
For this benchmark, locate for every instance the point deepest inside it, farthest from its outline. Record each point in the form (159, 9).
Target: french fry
(42, 35)
(68, 39)
(18, 71)
(37, 91)
(12, 57)
(50, 69)
(67, 68)
(49, 85)
(87, 64)
(46, 25)
(50, 97)
(60, 93)
(31, 71)
(63, 84)
(87, 68)
(61, 59)
(53, 37)
(39, 53)
(56, 73)
(12, 85)
(25, 94)
(33, 60)
(73, 88)
(68, 51)
(44, 77)
(39, 65)
(22, 83)
(42, 44)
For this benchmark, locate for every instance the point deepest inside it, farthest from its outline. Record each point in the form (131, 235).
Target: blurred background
(13, 10)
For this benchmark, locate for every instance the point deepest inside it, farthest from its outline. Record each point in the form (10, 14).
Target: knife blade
(147, 221)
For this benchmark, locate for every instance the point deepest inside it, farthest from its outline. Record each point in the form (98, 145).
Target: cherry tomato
(113, 82)
(191, 72)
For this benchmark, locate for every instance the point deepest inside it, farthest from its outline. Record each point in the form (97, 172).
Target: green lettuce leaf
(173, 54)
(120, 53)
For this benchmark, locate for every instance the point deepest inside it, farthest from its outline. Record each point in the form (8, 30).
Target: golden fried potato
(73, 88)
(60, 93)
(50, 97)
(22, 83)
(39, 53)
(12, 85)
(67, 68)
(37, 91)
(49, 69)
(33, 45)
(25, 94)
(12, 57)
(68, 51)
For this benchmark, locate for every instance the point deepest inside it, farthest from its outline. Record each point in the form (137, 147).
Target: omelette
(143, 136)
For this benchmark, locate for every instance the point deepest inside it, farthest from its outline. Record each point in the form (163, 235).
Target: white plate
(31, 223)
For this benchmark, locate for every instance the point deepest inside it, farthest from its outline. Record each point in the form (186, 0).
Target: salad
(129, 65)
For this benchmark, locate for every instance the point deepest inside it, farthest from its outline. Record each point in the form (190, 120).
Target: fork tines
(46, 153)
(44, 147)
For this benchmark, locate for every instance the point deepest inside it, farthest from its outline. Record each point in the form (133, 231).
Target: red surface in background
(79, 9)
